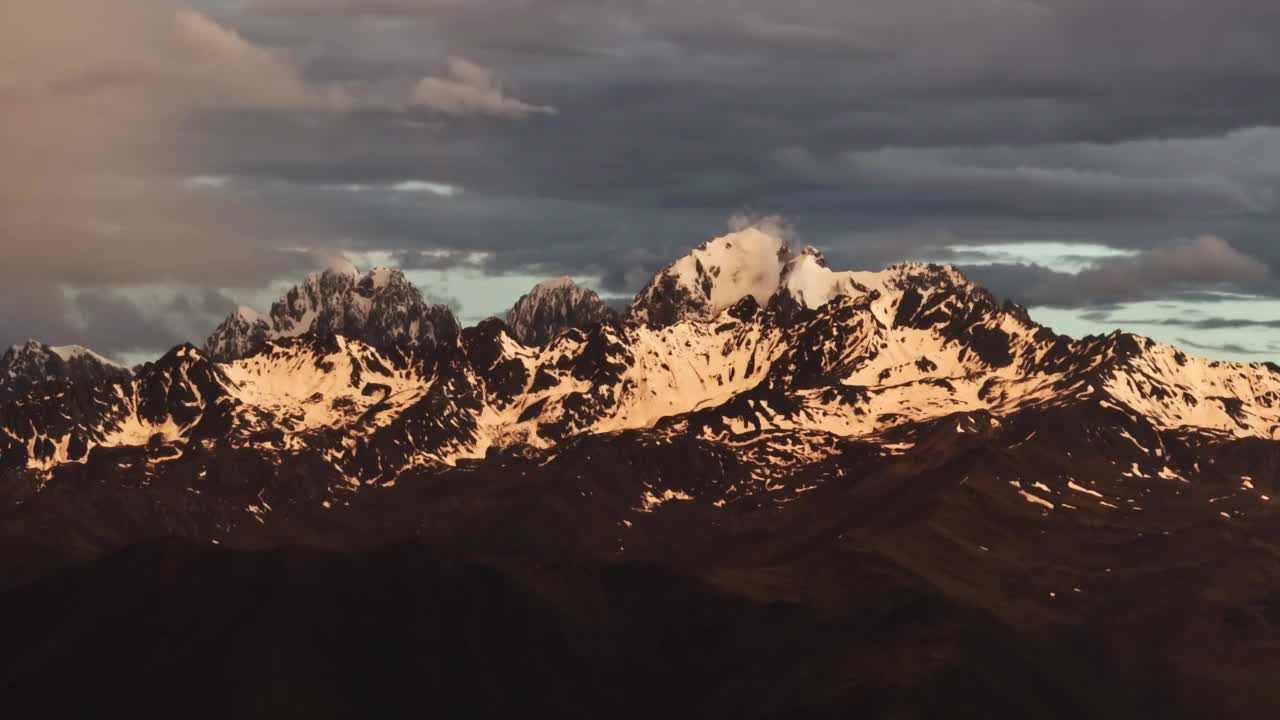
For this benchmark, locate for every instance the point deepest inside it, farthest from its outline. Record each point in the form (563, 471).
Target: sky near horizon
(1109, 164)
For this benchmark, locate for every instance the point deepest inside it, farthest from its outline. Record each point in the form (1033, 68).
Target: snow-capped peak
(340, 266)
(246, 313)
(30, 346)
(560, 283)
(67, 353)
(807, 278)
(35, 362)
(713, 277)
(70, 353)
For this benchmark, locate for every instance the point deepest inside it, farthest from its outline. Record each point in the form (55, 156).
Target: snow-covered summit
(340, 266)
(713, 277)
(559, 283)
(758, 263)
(34, 362)
(71, 353)
(809, 280)
(68, 353)
(246, 313)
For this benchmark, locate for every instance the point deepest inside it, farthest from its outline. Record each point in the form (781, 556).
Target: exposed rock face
(552, 307)
(243, 332)
(381, 308)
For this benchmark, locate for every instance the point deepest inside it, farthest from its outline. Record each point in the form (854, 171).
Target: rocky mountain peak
(240, 334)
(380, 307)
(33, 362)
(552, 307)
(758, 263)
(713, 277)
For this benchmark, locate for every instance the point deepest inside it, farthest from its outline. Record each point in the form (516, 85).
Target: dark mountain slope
(404, 631)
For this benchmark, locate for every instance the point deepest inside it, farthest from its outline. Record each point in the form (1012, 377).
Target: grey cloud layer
(1204, 262)
(607, 137)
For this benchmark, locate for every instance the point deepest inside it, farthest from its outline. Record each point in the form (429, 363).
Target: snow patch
(1035, 500)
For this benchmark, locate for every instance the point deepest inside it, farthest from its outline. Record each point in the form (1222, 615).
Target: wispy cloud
(467, 88)
(426, 186)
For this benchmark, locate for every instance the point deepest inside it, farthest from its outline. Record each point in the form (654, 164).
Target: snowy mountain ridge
(742, 336)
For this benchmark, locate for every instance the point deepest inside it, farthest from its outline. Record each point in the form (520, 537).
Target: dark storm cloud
(606, 137)
(118, 324)
(104, 320)
(1084, 57)
(854, 121)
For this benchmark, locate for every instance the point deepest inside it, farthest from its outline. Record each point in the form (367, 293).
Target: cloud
(1062, 257)
(206, 182)
(1226, 348)
(471, 89)
(1209, 323)
(1199, 263)
(887, 131)
(427, 186)
(226, 70)
(101, 187)
(1202, 262)
(775, 225)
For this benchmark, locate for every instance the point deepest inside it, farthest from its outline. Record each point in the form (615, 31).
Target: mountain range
(764, 489)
